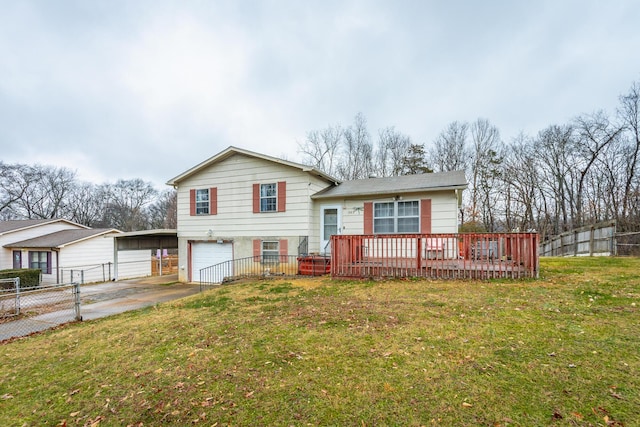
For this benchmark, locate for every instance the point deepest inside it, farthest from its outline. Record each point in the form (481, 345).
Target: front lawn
(561, 350)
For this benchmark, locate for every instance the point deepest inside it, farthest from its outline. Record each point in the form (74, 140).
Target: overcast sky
(147, 89)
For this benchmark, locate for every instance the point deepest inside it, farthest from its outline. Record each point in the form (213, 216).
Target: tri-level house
(241, 204)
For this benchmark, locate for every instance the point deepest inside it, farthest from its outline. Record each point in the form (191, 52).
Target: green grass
(562, 351)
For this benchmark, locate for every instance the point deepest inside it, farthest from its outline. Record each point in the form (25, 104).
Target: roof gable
(437, 181)
(61, 238)
(231, 151)
(11, 226)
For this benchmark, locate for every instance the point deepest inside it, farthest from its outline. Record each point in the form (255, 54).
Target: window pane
(270, 252)
(268, 199)
(330, 223)
(383, 225)
(383, 210)
(396, 217)
(408, 225)
(268, 205)
(268, 190)
(202, 201)
(38, 260)
(408, 209)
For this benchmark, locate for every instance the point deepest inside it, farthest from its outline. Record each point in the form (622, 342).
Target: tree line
(47, 192)
(566, 176)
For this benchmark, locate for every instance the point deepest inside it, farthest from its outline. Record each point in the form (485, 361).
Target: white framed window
(202, 201)
(396, 217)
(268, 197)
(270, 252)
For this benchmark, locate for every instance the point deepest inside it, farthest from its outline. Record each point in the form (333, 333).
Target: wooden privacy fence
(450, 256)
(597, 239)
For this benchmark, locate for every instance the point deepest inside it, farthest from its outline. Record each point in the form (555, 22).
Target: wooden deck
(448, 256)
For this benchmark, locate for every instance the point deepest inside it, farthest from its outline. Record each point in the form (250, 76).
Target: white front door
(330, 224)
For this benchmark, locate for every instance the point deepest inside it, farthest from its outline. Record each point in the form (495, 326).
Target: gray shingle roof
(395, 185)
(18, 224)
(59, 238)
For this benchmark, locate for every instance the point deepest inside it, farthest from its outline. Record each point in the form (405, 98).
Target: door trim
(324, 243)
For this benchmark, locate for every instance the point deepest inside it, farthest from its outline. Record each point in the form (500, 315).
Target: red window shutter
(256, 198)
(425, 216)
(192, 202)
(282, 196)
(284, 250)
(213, 201)
(257, 243)
(368, 218)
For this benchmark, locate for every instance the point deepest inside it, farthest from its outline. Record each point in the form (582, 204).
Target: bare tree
(128, 200)
(449, 152)
(39, 192)
(391, 152)
(485, 170)
(320, 148)
(629, 115)
(522, 186)
(594, 133)
(163, 213)
(357, 153)
(555, 148)
(15, 180)
(87, 204)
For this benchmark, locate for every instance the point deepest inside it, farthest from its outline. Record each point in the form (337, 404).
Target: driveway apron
(105, 299)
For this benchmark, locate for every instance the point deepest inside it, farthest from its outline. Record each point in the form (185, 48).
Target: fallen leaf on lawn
(248, 395)
(7, 396)
(616, 395)
(73, 414)
(467, 404)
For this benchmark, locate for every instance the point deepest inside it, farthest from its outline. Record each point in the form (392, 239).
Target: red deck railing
(449, 256)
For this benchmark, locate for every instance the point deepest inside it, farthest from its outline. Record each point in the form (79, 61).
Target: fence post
(17, 285)
(76, 297)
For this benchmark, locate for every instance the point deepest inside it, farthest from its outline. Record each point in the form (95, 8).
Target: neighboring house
(240, 204)
(65, 251)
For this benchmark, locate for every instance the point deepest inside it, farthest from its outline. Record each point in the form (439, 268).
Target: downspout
(57, 252)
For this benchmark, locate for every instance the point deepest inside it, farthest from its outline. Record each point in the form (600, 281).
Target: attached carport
(145, 239)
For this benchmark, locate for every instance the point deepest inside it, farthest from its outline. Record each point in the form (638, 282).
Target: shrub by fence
(29, 277)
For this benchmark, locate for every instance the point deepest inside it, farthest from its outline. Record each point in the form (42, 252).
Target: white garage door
(208, 254)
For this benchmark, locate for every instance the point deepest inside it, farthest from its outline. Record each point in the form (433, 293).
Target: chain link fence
(24, 311)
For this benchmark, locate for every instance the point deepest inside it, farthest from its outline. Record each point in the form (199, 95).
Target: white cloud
(148, 89)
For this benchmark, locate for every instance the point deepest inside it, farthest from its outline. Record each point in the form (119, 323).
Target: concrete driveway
(105, 299)
(109, 298)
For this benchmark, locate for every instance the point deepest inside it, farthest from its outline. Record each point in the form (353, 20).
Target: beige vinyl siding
(6, 259)
(134, 263)
(444, 213)
(234, 178)
(235, 220)
(94, 257)
(88, 255)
